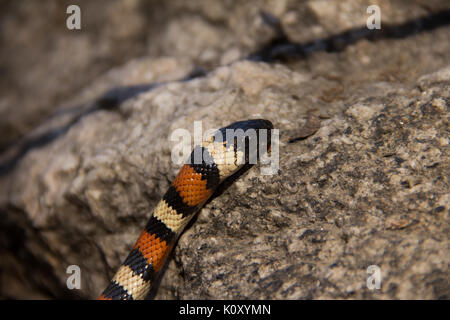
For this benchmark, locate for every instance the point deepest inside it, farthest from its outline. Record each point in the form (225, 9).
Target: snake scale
(193, 186)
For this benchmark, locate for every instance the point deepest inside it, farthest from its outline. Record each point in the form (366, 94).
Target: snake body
(193, 186)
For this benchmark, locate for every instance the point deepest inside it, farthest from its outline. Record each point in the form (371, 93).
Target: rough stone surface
(369, 187)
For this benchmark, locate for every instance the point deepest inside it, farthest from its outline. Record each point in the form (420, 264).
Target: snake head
(236, 145)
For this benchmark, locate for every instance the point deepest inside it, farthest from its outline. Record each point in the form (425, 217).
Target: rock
(366, 185)
(204, 33)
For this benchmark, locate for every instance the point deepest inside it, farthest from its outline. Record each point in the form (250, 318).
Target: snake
(209, 165)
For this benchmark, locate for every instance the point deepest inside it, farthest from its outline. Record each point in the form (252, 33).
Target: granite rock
(363, 167)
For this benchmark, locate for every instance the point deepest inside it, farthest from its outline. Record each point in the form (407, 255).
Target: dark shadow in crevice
(109, 101)
(282, 49)
(16, 234)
